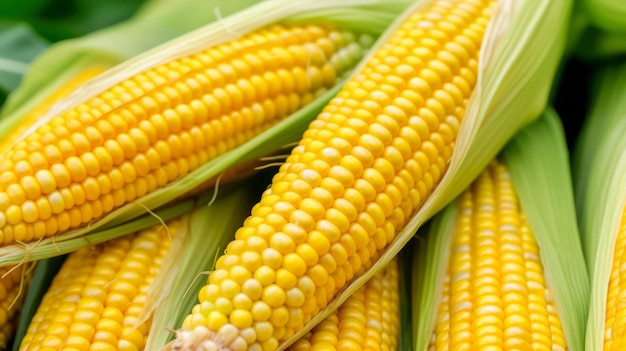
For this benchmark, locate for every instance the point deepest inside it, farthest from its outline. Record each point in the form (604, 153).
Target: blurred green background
(27, 27)
(56, 20)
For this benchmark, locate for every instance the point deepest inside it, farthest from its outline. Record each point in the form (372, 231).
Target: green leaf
(429, 269)
(19, 44)
(599, 169)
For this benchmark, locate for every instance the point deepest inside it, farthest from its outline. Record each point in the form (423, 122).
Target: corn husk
(538, 162)
(516, 70)
(600, 188)
(374, 18)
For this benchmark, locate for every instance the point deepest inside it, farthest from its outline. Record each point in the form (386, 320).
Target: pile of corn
(322, 175)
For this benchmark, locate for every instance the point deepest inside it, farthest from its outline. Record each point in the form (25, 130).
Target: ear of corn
(97, 297)
(172, 173)
(503, 265)
(154, 128)
(599, 168)
(191, 248)
(370, 165)
(64, 67)
(368, 320)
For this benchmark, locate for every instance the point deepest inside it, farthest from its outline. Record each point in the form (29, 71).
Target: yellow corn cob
(10, 301)
(95, 300)
(368, 320)
(494, 295)
(615, 309)
(11, 277)
(364, 166)
(22, 126)
(154, 128)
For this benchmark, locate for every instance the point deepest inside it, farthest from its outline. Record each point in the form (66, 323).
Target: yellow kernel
(295, 264)
(76, 169)
(274, 295)
(241, 318)
(16, 194)
(280, 316)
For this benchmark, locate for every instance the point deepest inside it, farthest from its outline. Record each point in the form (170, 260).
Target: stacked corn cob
(388, 150)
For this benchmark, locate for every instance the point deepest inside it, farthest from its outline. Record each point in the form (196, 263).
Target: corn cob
(501, 268)
(363, 167)
(494, 293)
(367, 320)
(13, 278)
(154, 128)
(12, 283)
(96, 300)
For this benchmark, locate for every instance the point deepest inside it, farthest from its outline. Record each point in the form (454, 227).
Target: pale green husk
(377, 15)
(600, 184)
(538, 162)
(522, 48)
(155, 23)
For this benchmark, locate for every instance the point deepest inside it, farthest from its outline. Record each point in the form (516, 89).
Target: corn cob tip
(203, 339)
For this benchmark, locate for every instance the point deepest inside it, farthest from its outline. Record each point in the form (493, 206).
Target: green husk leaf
(537, 160)
(405, 266)
(599, 168)
(430, 263)
(521, 50)
(211, 228)
(155, 23)
(39, 283)
(283, 133)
